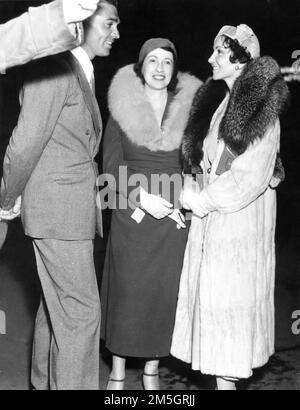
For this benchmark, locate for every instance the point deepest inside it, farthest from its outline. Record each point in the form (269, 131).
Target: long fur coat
(130, 107)
(225, 312)
(259, 96)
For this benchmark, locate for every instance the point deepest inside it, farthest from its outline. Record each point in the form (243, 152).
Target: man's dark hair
(239, 54)
(174, 80)
(112, 2)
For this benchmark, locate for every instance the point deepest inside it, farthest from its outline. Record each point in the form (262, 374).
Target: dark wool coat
(143, 260)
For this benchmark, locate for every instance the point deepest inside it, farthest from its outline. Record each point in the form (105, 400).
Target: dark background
(192, 26)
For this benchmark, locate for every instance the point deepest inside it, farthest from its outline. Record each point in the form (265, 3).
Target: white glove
(13, 212)
(79, 10)
(177, 216)
(154, 205)
(191, 200)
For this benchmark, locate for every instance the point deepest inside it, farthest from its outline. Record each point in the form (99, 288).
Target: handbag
(226, 160)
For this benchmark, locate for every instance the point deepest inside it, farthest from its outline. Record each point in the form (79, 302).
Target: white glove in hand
(191, 200)
(79, 10)
(177, 216)
(154, 205)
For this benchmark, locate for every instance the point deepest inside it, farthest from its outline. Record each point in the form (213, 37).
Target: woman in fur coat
(225, 314)
(149, 105)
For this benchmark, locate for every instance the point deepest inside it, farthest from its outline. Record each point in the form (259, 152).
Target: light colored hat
(153, 44)
(244, 35)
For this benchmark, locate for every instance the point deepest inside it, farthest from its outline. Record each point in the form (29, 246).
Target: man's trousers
(67, 330)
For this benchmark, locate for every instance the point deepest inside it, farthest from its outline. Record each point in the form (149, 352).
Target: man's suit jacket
(50, 158)
(39, 32)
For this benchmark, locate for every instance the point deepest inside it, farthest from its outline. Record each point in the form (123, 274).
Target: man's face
(101, 31)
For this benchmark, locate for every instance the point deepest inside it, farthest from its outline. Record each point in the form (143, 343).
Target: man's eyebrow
(114, 19)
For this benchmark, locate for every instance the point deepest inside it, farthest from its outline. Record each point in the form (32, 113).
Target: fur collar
(130, 107)
(257, 99)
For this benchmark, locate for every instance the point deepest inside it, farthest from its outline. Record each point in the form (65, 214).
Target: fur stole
(129, 106)
(257, 99)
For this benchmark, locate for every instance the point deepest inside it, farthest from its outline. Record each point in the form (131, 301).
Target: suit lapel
(88, 95)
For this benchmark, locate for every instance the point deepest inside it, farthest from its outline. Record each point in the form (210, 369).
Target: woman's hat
(153, 44)
(244, 35)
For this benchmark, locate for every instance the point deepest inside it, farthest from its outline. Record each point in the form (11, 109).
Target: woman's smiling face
(158, 69)
(223, 68)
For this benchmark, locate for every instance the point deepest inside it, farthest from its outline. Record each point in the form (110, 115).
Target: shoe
(115, 384)
(150, 381)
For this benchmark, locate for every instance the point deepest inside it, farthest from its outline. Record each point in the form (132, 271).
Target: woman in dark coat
(149, 105)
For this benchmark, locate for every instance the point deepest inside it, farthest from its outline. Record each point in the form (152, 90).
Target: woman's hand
(154, 205)
(177, 216)
(190, 199)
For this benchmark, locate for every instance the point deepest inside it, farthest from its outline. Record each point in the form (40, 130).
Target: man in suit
(50, 161)
(44, 30)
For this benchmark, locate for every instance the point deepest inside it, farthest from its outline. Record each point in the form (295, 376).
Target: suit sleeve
(248, 178)
(44, 95)
(39, 32)
(116, 166)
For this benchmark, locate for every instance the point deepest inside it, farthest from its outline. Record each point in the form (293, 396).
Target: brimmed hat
(153, 44)
(244, 35)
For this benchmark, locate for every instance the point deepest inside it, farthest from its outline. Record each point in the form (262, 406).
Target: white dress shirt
(81, 56)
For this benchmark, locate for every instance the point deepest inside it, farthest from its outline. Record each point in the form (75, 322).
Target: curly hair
(239, 54)
(174, 80)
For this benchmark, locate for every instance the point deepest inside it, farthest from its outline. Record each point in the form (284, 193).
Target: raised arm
(44, 30)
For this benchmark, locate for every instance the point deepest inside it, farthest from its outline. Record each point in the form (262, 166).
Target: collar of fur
(131, 108)
(257, 99)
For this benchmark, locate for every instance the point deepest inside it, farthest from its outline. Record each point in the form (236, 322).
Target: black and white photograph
(149, 197)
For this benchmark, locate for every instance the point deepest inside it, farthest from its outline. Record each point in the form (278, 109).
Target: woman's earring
(237, 67)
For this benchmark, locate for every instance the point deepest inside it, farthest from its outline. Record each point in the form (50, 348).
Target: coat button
(87, 132)
(208, 170)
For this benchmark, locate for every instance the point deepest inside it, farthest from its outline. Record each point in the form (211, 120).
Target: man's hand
(79, 10)
(13, 212)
